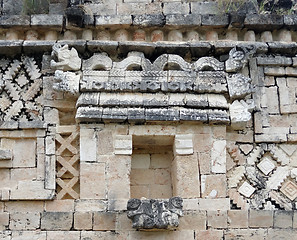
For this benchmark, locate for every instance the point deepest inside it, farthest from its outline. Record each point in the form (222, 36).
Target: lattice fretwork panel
(67, 168)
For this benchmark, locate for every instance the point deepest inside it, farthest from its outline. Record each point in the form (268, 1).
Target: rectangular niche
(151, 165)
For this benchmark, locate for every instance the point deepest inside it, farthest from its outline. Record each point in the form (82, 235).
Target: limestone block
(274, 71)
(210, 187)
(24, 221)
(63, 235)
(287, 234)
(31, 190)
(56, 221)
(104, 221)
(209, 234)
(176, 8)
(21, 158)
(214, 204)
(24, 206)
(251, 234)
(90, 205)
(283, 219)
(65, 205)
(113, 19)
(193, 220)
(92, 181)
(160, 161)
(5, 235)
(50, 172)
(141, 161)
(98, 235)
(238, 218)
(46, 20)
(123, 145)
(183, 144)
(50, 145)
(105, 142)
(218, 156)
(260, 219)
(4, 221)
(88, 145)
(217, 219)
(118, 169)
(5, 154)
(83, 220)
(29, 235)
(117, 205)
(185, 178)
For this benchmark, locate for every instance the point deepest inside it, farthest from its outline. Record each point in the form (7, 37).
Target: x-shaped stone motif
(66, 143)
(67, 166)
(67, 188)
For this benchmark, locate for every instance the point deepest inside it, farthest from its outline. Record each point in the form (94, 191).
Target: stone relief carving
(157, 85)
(65, 59)
(21, 85)
(68, 82)
(238, 58)
(153, 213)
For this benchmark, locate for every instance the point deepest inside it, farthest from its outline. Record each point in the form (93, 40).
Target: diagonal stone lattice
(21, 85)
(67, 163)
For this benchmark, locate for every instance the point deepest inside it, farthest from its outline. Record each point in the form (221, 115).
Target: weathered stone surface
(56, 221)
(65, 59)
(149, 214)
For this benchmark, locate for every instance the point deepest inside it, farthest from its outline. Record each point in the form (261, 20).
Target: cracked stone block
(246, 189)
(266, 165)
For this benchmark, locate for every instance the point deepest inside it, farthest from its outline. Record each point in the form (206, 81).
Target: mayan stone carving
(153, 213)
(109, 89)
(20, 90)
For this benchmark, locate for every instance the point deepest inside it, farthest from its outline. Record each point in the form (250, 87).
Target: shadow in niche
(151, 167)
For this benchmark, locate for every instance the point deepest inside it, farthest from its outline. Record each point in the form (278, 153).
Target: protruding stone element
(65, 59)
(69, 82)
(246, 189)
(239, 86)
(183, 144)
(289, 188)
(175, 36)
(266, 165)
(192, 36)
(123, 145)
(212, 36)
(157, 36)
(266, 36)
(238, 58)
(250, 36)
(152, 213)
(218, 156)
(240, 113)
(121, 35)
(5, 154)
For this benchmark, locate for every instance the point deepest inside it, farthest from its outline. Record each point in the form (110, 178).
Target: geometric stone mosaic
(67, 165)
(289, 189)
(266, 165)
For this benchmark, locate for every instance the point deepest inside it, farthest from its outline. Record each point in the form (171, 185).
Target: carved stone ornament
(68, 82)
(154, 213)
(168, 89)
(65, 59)
(238, 58)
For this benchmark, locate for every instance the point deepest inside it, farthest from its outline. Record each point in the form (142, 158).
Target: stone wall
(104, 101)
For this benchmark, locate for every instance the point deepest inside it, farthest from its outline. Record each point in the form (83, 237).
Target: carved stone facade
(134, 120)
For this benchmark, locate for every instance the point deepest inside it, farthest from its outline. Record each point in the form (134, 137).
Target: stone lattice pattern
(20, 90)
(67, 169)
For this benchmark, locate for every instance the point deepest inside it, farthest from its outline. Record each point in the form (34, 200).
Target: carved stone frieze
(155, 214)
(114, 89)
